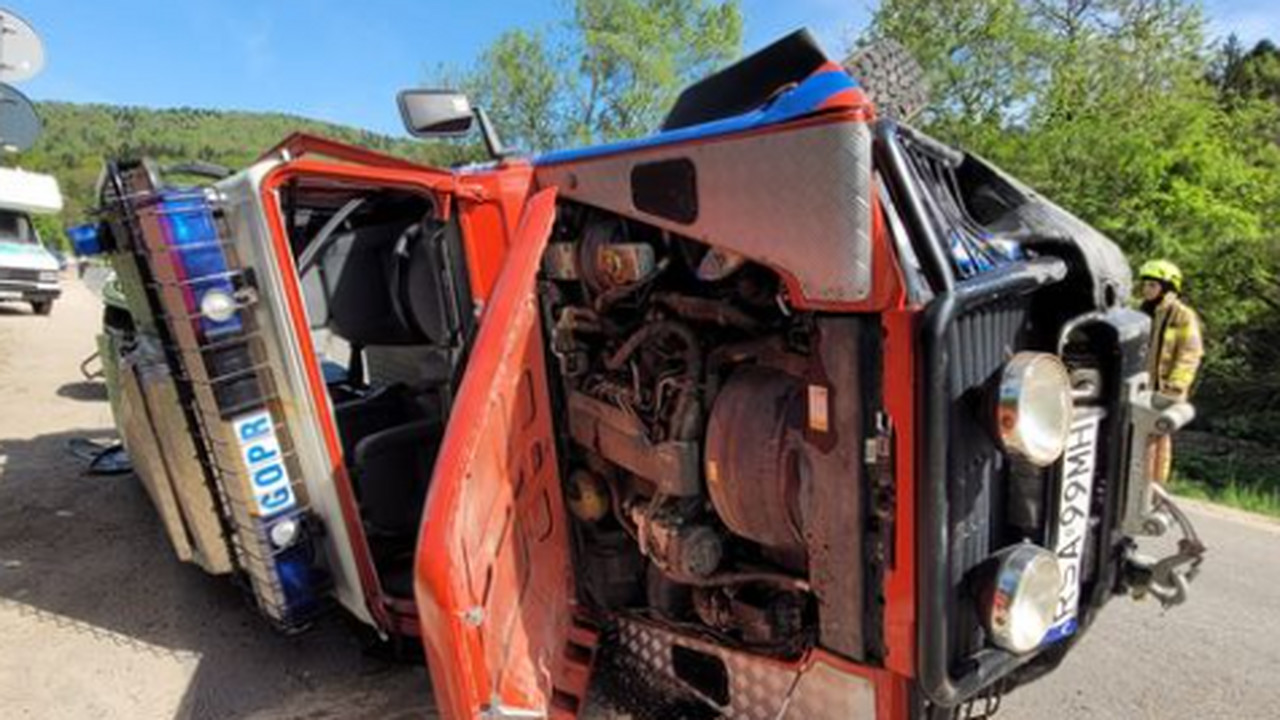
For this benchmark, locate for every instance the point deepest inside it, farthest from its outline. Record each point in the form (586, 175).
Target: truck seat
(392, 296)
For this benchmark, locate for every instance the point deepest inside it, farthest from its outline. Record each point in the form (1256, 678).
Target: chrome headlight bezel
(1034, 407)
(1021, 599)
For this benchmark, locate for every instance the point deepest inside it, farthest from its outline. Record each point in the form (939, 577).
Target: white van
(29, 272)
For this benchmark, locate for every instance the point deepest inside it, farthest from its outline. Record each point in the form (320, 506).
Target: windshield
(16, 227)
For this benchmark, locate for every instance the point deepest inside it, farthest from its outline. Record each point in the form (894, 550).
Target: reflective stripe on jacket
(1176, 347)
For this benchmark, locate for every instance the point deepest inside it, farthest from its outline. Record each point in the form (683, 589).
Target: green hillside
(77, 138)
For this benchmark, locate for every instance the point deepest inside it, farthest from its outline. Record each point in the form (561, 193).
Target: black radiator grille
(983, 340)
(19, 275)
(980, 343)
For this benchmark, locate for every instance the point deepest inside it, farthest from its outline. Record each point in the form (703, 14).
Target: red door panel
(493, 579)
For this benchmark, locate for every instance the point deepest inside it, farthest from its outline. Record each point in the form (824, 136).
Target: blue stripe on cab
(804, 99)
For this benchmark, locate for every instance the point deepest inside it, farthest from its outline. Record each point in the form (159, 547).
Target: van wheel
(42, 307)
(891, 77)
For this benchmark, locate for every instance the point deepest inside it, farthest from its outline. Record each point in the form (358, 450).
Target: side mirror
(435, 113)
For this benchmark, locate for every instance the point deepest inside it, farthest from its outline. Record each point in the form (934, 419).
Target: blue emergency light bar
(192, 232)
(86, 240)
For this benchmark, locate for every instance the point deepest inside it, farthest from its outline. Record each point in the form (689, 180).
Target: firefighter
(1174, 351)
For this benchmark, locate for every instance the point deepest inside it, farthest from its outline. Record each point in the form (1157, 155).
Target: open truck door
(493, 580)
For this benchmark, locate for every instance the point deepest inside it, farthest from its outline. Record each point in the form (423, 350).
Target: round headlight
(218, 306)
(1022, 598)
(1033, 410)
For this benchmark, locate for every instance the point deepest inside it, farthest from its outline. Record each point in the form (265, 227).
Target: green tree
(1111, 114)
(980, 57)
(608, 72)
(1252, 75)
(77, 139)
(521, 66)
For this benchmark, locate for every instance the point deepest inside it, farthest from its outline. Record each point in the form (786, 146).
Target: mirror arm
(492, 142)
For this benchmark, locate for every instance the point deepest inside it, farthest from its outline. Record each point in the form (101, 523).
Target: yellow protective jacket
(1176, 347)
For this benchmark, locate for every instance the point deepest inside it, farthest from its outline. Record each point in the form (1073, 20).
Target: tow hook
(1168, 579)
(1151, 415)
(1149, 511)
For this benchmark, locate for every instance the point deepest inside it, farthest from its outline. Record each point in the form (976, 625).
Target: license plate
(10, 295)
(260, 450)
(1074, 499)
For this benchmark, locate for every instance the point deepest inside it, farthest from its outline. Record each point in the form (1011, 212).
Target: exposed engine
(703, 415)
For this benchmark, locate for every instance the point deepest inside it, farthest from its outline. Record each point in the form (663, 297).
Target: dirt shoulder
(97, 618)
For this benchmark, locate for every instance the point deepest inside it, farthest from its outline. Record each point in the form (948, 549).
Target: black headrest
(358, 271)
(421, 285)
(393, 284)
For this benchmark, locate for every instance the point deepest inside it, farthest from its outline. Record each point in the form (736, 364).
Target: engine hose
(706, 310)
(615, 499)
(692, 354)
(686, 419)
(781, 580)
(609, 297)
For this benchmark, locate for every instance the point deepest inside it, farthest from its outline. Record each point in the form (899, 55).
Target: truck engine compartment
(714, 433)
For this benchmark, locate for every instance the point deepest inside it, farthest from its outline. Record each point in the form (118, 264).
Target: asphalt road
(98, 620)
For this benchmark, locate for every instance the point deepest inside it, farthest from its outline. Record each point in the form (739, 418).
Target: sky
(344, 61)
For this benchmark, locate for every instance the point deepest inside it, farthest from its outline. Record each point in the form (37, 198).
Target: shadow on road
(88, 552)
(85, 390)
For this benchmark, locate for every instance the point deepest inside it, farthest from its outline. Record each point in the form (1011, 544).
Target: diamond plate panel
(759, 688)
(825, 692)
(797, 200)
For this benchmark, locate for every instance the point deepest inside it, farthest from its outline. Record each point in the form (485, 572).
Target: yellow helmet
(1162, 270)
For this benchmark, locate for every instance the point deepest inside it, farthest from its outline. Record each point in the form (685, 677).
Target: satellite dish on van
(21, 51)
(19, 124)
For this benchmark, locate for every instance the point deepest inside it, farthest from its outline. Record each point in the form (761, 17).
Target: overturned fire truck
(787, 410)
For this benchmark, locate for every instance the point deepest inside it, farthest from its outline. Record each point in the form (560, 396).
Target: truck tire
(891, 77)
(42, 307)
